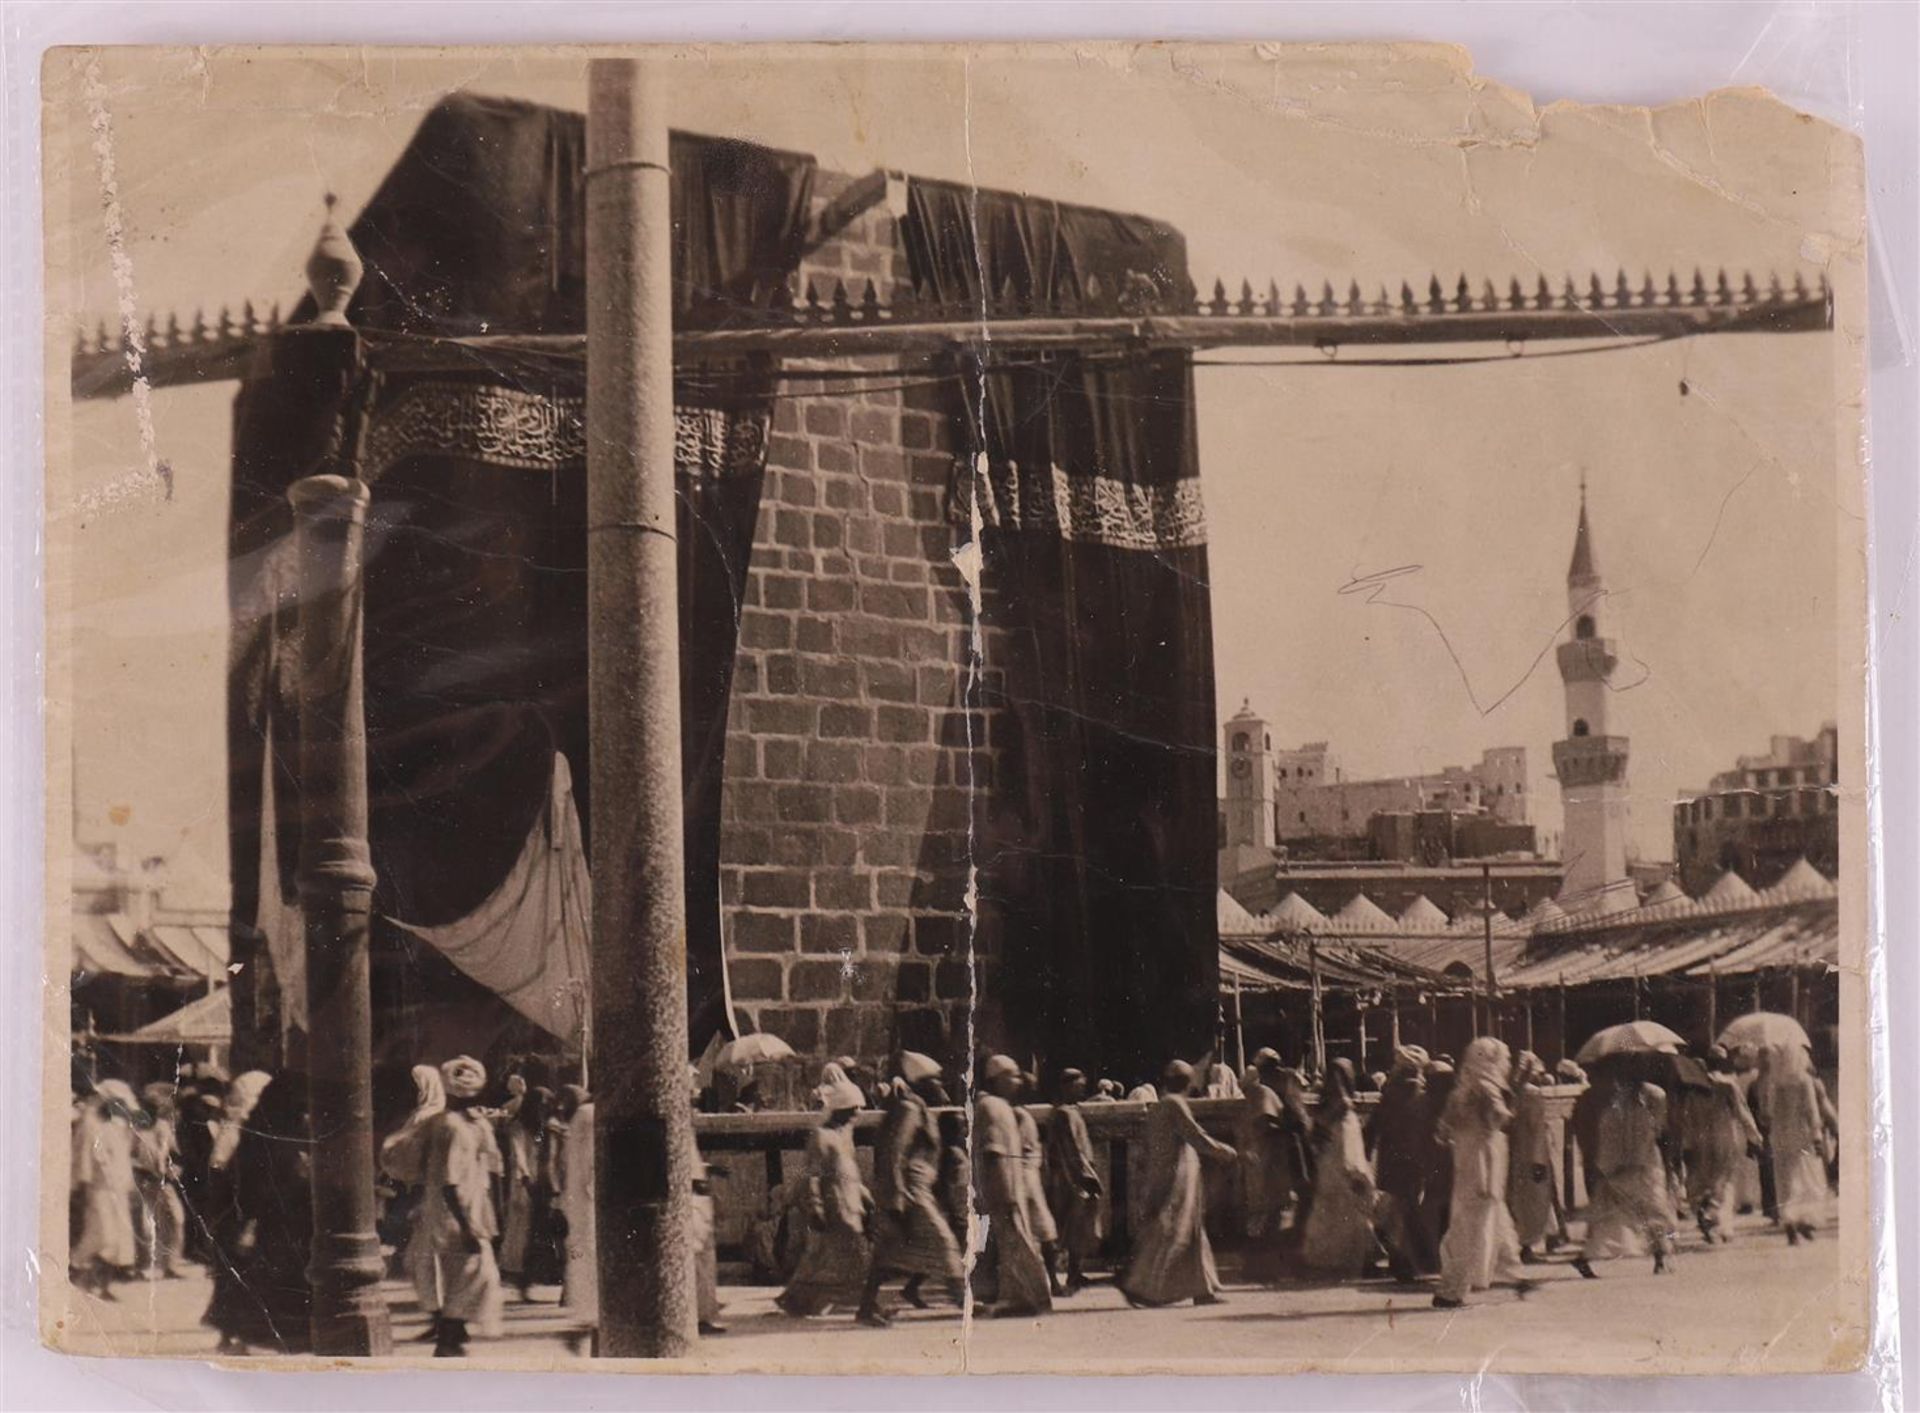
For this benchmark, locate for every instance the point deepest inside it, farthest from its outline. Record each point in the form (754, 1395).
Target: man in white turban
(457, 1212)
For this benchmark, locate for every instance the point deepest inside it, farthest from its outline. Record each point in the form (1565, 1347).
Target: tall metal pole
(336, 881)
(644, 1152)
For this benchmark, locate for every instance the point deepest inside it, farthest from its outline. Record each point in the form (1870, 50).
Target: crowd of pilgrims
(1450, 1175)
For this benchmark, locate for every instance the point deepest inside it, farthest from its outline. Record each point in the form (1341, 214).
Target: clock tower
(1249, 799)
(1591, 762)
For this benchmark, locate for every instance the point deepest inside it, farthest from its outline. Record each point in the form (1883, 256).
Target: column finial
(333, 271)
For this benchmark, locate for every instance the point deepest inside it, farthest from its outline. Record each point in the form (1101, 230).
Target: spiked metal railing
(1135, 316)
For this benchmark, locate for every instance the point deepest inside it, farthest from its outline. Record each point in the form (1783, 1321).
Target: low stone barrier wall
(754, 1154)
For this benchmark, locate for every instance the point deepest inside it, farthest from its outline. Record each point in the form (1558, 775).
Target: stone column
(644, 1153)
(336, 896)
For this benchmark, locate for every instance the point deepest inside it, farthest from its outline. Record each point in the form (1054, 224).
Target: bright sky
(1715, 509)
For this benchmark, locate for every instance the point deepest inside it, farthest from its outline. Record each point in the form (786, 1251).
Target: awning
(1797, 934)
(205, 1021)
(193, 947)
(109, 944)
(1288, 963)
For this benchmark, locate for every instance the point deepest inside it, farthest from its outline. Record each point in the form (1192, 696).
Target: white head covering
(999, 1067)
(1785, 1062)
(915, 1067)
(837, 1092)
(1485, 1061)
(1222, 1083)
(243, 1097)
(430, 1095)
(118, 1091)
(464, 1077)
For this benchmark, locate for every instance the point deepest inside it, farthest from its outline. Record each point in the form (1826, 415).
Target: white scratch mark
(154, 479)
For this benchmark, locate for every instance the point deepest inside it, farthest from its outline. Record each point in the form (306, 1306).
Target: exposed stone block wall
(851, 758)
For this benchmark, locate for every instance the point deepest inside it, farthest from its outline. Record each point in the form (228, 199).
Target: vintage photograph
(1045, 708)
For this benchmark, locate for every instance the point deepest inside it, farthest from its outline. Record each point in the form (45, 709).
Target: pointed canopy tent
(206, 1021)
(1729, 891)
(1294, 911)
(1803, 880)
(1234, 920)
(1362, 914)
(1543, 912)
(1666, 893)
(1423, 915)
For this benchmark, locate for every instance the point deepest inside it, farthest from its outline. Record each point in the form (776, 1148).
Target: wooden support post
(1239, 1027)
(1319, 1017)
(1486, 907)
(644, 1148)
(1566, 1049)
(1713, 1004)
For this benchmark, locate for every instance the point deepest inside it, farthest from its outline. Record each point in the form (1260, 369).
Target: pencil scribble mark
(1718, 516)
(1375, 587)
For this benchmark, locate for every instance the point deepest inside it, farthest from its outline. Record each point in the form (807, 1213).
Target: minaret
(1591, 762)
(1249, 781)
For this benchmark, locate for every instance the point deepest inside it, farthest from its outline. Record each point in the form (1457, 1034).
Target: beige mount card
(1253, 658)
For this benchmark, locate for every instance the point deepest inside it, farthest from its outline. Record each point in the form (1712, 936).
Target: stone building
(1314, 799)
(1759, 817)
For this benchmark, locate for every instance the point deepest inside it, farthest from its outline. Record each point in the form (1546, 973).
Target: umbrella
(1764, 1030)
(1632, 1038)
(750, 1050)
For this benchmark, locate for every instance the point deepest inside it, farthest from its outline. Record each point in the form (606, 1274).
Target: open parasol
(1633, 1038)
(1764, 1030)
(751, 1050)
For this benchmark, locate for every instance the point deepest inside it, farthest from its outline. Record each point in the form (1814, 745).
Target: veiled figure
(1631, 1209)
(1339, 1235)
(1717, 1132)
(1797, 1117)
(1479, 1246)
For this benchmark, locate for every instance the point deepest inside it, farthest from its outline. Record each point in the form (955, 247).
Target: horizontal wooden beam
(840, 327)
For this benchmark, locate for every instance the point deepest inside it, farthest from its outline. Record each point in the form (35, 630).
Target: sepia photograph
(1045, 708)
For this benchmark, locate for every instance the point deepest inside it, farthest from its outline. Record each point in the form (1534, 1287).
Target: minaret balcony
(1590, 760)
(1587, 660)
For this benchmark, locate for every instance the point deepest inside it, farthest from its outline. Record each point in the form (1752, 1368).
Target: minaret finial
(1582, 570)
